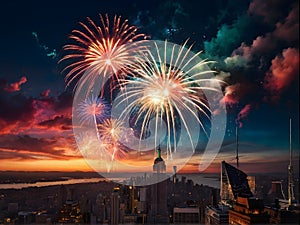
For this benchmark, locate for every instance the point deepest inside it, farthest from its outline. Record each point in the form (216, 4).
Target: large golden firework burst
(168, 85)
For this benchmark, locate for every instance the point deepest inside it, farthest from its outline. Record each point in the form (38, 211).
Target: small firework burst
(93, 110)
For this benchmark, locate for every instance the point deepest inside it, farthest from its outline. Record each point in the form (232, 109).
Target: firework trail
(168, 86)
(100, 50)
(161, 89)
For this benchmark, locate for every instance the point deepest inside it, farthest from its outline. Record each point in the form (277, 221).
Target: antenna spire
(290, 171)
(237, 146)
(290, 141)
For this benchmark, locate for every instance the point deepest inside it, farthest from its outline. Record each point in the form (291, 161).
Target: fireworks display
(160, 92)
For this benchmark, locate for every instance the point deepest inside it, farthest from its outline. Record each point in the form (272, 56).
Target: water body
(50, 183)
(205, 179)
(212, 181)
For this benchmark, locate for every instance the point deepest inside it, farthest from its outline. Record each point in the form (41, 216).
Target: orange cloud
(45, 165)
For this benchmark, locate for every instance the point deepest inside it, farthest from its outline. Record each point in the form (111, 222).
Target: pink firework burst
(100, 50)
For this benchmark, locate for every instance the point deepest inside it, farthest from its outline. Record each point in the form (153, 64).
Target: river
(196, 178)
(50, 183)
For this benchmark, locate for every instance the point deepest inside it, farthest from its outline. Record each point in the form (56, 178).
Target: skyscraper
(115, 207)
(158, 210)
(234, 183)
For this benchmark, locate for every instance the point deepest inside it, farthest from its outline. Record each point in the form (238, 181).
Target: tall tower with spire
(159, 165)
(159, 211)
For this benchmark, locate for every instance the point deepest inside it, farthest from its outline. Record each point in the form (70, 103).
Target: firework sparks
(90, 148)
(111, 131)
(93, 110)
(100, 50)
(168, 86)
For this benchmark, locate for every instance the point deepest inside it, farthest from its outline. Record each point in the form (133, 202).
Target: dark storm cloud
(25, 142)
(15, 107)
(228, 38)
(58, 122)
(19, 113)
(180, 20)
(269, 11)
(26, 147)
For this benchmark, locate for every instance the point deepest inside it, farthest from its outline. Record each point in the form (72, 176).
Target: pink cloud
(231, 96)
(15, 86)
(243, 114)
(45, 93)
(283, 71)
(235, 93)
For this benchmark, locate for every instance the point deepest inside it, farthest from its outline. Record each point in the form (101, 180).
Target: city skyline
(256, 52)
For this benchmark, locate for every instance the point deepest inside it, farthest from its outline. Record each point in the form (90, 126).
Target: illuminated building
(115, 207)
(70, 213)
(142, 203)
(215, 215)
(101, 212)
(285, 210)
(158, 209)
(277, 190)
(237, 206)
(252, 184)
(186, 215)
(234, 183)
(248, 210)
(279, 215)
